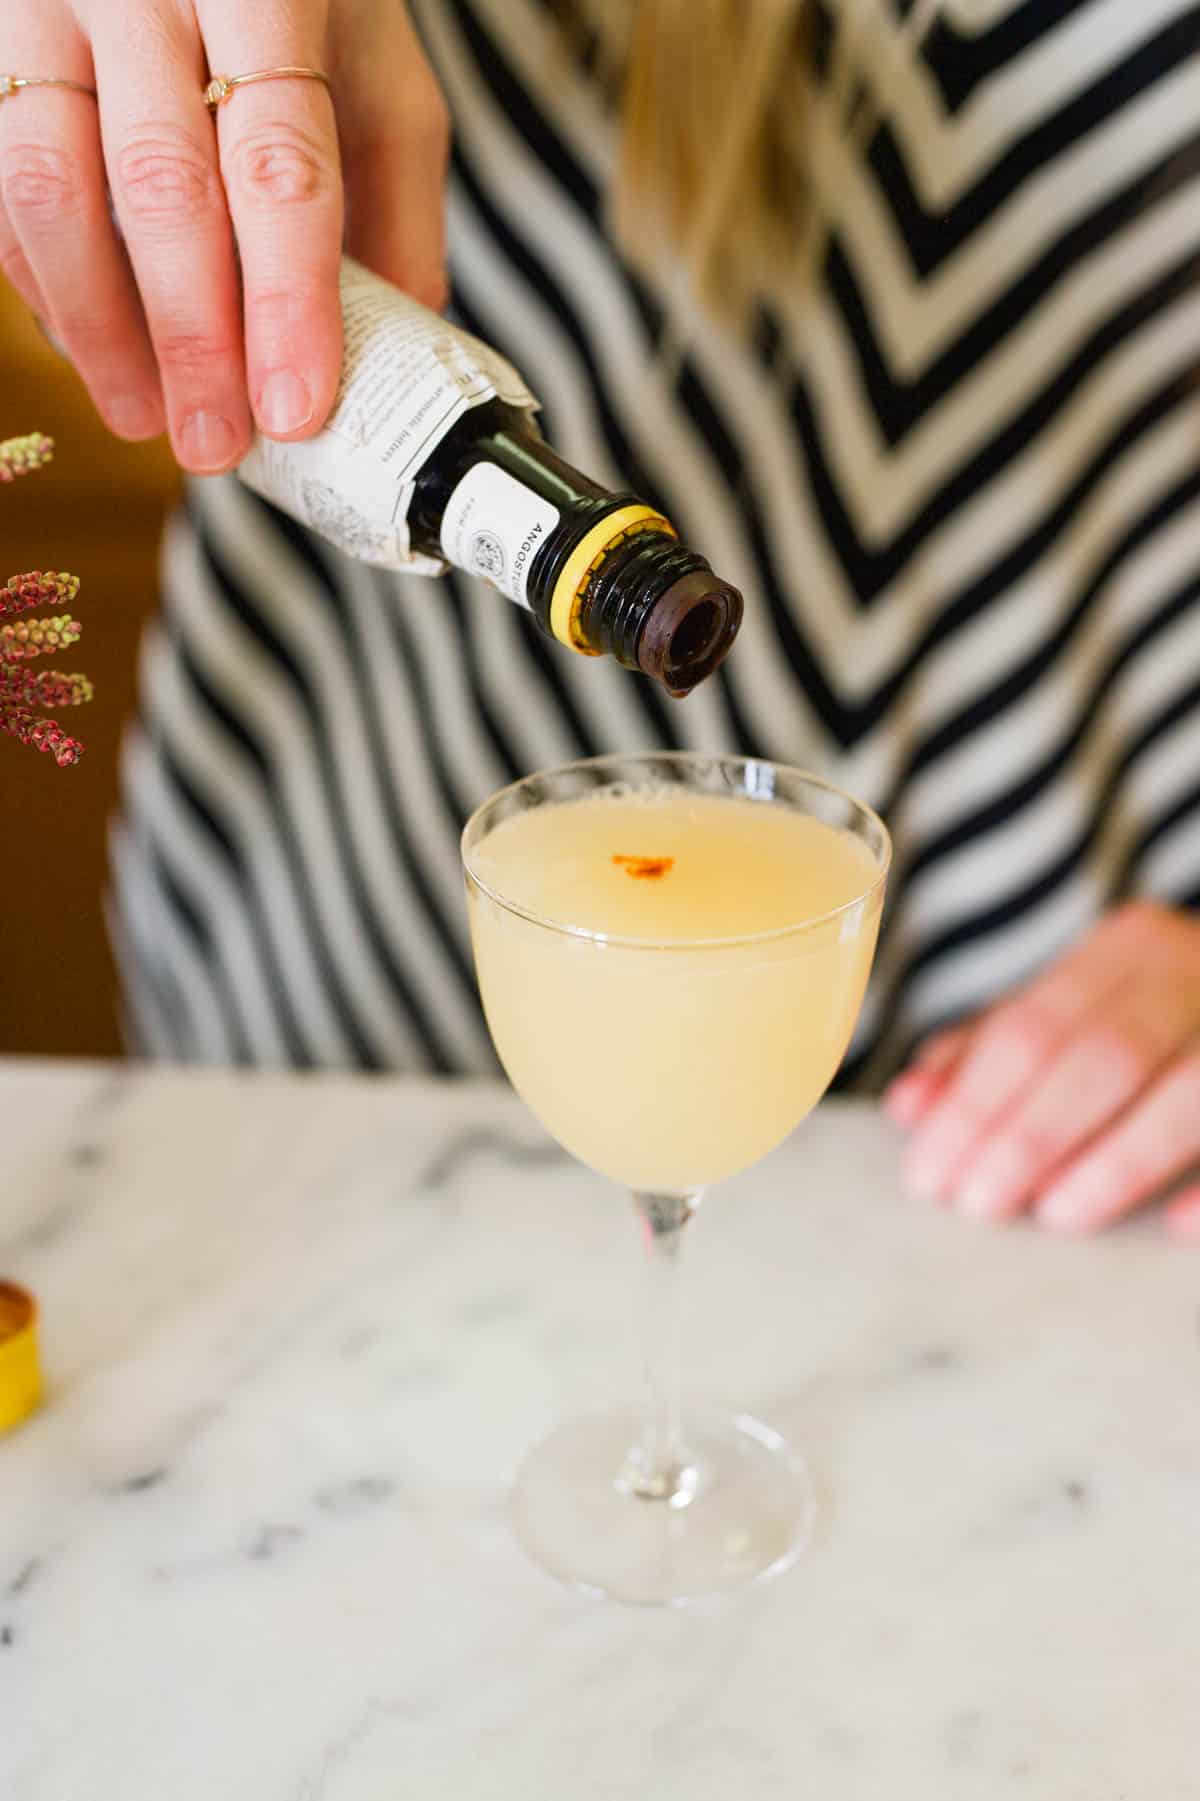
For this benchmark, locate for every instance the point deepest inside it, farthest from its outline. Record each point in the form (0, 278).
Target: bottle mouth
(689, 631)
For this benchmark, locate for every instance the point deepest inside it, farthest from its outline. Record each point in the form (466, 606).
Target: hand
(1079, 1097)
(163, 327)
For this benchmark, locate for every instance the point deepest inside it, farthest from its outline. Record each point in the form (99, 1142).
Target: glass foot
(742, 1509)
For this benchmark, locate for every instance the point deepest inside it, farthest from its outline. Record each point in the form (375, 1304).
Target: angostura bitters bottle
(431, 456)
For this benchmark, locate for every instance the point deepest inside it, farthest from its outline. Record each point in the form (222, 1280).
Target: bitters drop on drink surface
(432, 455)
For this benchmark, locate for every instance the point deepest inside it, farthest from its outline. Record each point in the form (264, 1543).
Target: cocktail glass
(669, 1062)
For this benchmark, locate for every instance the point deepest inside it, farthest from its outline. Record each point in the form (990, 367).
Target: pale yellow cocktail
(685, 1024)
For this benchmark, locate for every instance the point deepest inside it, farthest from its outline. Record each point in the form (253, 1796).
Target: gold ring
(221, 86)
(12, 84)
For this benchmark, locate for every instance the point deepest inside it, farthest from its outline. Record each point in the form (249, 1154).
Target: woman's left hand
(1077, 1098)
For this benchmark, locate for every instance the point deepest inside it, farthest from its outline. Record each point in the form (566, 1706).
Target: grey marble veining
(298, 1333)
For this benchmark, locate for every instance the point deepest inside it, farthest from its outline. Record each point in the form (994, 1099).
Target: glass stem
(657, 1467)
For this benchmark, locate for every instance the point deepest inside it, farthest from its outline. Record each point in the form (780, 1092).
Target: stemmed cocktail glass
(672, 950)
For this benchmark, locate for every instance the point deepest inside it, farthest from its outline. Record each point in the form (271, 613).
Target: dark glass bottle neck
(508, 437)
(642, 597)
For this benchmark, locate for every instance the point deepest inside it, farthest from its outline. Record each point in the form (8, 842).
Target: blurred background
(96, 511)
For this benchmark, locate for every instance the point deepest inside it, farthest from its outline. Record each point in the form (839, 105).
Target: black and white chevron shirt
(957, 478)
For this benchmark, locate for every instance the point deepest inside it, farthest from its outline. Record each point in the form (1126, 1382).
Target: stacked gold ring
(221, 86)
(12, 84)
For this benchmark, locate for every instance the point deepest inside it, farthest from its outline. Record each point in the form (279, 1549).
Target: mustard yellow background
(97, 511)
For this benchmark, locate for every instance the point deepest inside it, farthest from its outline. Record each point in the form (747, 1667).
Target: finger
(942, 1050)
(1183, 1215)
(395, 133)
(282, 173)
(1149, 1147)
(57, 241)
(1101, 1070)
(910, 1095)
(160, 151)
(22, 48)
(15, 268)
(78, 274)
(1013, 1046)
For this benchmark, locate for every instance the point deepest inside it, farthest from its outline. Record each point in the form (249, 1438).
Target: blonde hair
(710, 159)
(713, 98)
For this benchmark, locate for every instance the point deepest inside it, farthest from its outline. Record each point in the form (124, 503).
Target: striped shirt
(956, 475)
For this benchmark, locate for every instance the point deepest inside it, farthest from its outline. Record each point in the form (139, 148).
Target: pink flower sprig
(41, 734)
(42, 687)
(24, 691)
(40, 588)
(34, 637)
(20, 456)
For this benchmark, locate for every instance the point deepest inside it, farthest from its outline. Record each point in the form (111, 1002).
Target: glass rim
(731, 941)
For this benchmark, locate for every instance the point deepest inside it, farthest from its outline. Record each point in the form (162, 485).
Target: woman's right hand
(215, 307)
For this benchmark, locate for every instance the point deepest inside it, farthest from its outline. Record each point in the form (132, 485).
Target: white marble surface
(300, 1330)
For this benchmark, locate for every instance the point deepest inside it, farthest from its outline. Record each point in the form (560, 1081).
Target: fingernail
(284, 402)
(937, 1151)
(902, 1099)
(1079, 1201)
(994, 1185)
(1184, 1222)
(208, 441)
(1060, 1210)
(925, 1176)
(132, 417)
(976, 1198)
(979, 1198)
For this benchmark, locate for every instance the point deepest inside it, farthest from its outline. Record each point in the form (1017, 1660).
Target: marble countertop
(299, 1331)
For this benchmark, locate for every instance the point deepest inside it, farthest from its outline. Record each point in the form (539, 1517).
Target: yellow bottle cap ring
(586, 558)
(20, 1367)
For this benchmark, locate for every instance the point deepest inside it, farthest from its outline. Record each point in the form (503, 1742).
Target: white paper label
(494, 526)
(407, 377)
